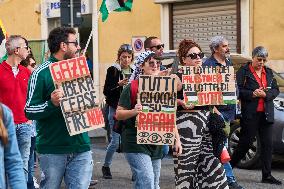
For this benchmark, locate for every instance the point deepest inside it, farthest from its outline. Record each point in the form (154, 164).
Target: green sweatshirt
(52, 134)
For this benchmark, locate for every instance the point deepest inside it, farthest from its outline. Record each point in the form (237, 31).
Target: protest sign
(203, 85)
(156, 122)
(78, 103)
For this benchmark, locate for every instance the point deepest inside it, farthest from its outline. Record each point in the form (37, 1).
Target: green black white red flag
(108, 6)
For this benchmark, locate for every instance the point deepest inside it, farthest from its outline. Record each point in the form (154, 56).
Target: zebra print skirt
(197, 167)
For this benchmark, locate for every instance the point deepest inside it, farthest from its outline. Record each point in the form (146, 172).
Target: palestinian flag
(108, 6)
(3, 36)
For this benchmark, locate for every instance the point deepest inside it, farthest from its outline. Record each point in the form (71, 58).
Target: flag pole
(90, 36)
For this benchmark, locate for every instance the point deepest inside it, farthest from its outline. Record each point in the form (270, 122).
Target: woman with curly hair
(196, 167)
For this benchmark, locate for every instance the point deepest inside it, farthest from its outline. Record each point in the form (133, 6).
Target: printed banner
(156, 122)
(208, 85)
(78, 105)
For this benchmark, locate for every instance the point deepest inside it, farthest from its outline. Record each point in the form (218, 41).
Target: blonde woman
(116, 78)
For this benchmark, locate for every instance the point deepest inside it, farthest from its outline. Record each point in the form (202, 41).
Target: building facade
(246, 23)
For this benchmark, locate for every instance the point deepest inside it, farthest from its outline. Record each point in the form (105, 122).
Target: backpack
(118, 126)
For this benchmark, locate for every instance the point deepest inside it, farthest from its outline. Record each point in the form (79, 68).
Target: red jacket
(13, 90)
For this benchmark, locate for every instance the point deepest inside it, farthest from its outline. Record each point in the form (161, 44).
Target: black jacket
(247, 84)
(112, 90)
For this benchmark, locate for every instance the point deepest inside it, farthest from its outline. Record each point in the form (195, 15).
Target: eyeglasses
(26, 47)
(33, 65)
(259, 59)
(74, 42)
(158, 46)
(126, 47)
(194, 55)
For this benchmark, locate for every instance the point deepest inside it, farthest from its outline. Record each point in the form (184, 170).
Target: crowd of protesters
(31, 118)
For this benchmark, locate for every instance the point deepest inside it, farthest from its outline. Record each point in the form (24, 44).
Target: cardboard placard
(156, 122)
(78, 104)
(205, 85)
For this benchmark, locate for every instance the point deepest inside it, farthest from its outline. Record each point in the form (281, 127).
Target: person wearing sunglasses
(150, 44)
(13, 92)
(154, 44)
(220, 56)
(30, 63)
(144, 159)
(61, 156)
(116, 78)
(196, 167)
(258, 88)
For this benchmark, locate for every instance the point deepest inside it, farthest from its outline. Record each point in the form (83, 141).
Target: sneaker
(133, 178)
(235, 185)
(106, 172)
(93, 184)
(36, 185)
(271, 180)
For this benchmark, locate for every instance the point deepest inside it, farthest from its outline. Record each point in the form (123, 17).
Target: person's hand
(56, 96)
(123, 82)
(256, 93)
(186, 107)
(259, 93)
(177, 149)
(137, 108)
(215, 110)
(30, 122)
(166, 72)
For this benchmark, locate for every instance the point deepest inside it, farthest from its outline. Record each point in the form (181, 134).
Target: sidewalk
(121, 173)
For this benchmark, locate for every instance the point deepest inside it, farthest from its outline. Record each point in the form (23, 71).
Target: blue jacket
(11, 164)
(228, 111)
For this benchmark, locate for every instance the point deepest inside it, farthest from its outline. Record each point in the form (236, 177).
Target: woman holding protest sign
(196, 167)
(144, 159)
(116, 78)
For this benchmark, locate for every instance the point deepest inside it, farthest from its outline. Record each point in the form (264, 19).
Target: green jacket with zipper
(52, 134)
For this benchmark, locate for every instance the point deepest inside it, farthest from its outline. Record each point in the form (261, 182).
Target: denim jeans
(166, 149)
(31, 164)
(146, 171)
(23, 133)
(228, 170)
(75, 168)
(114, 142)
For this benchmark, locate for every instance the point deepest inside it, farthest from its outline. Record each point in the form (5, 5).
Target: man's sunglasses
(126, 47)
(74, 42)
(158, 46)
(194, 55)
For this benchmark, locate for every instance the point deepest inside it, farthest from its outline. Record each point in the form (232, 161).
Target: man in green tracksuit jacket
(60, 155)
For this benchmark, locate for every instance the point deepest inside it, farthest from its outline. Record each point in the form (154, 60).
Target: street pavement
(249, 179)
